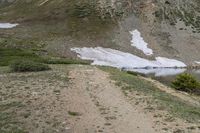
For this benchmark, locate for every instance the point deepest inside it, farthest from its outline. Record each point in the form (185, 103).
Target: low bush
(132, 73)
(8, 55)
(65, 61)
(27, 66)
(186, 82)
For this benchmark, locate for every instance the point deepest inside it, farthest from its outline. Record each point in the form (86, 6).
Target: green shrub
(65, 61)
(8, 55)
(28, 66)
(186, 82)
(73, 113)
(132, 73)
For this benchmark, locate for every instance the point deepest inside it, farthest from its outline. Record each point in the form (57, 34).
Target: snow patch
(165, 62)
(197, 62)
(43, 2)
(7, 25)
(138, 42)
(114, 58)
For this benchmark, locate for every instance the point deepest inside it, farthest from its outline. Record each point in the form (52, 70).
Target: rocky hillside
(170, 27)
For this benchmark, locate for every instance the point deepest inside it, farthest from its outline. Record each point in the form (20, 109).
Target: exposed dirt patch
(103, 105)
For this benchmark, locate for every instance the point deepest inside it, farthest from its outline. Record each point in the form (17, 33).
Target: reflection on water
(166, 75)
(160, 72)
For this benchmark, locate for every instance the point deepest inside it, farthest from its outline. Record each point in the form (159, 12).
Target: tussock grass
(8, 123)
(73, 113)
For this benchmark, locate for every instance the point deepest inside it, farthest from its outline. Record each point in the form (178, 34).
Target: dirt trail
(103, 105)
(81, 99)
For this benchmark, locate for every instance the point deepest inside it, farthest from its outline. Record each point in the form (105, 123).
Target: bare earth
(103, 105)
(83, 99)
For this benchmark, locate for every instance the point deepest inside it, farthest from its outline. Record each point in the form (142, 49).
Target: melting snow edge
(114, 58)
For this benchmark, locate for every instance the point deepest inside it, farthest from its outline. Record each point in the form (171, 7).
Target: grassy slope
(54, 25)
(8, 119)
(163, 100)
(14, 111)
(8, 55)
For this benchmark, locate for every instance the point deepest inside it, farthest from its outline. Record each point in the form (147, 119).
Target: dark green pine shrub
(186, 82)
(28, 66)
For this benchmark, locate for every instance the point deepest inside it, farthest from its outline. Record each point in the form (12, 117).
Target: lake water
(167, 75)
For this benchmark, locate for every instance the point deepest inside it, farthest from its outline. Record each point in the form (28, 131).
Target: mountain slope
(170, 27)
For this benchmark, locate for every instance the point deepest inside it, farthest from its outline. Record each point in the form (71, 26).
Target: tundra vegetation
(27, 60)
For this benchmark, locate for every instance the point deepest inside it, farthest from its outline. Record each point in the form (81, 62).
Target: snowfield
(7, 25)
(110, 57)
(138, 42)
(197, 62)
(165, 62)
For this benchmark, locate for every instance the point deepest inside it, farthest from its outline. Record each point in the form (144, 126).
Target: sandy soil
(82, 99)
